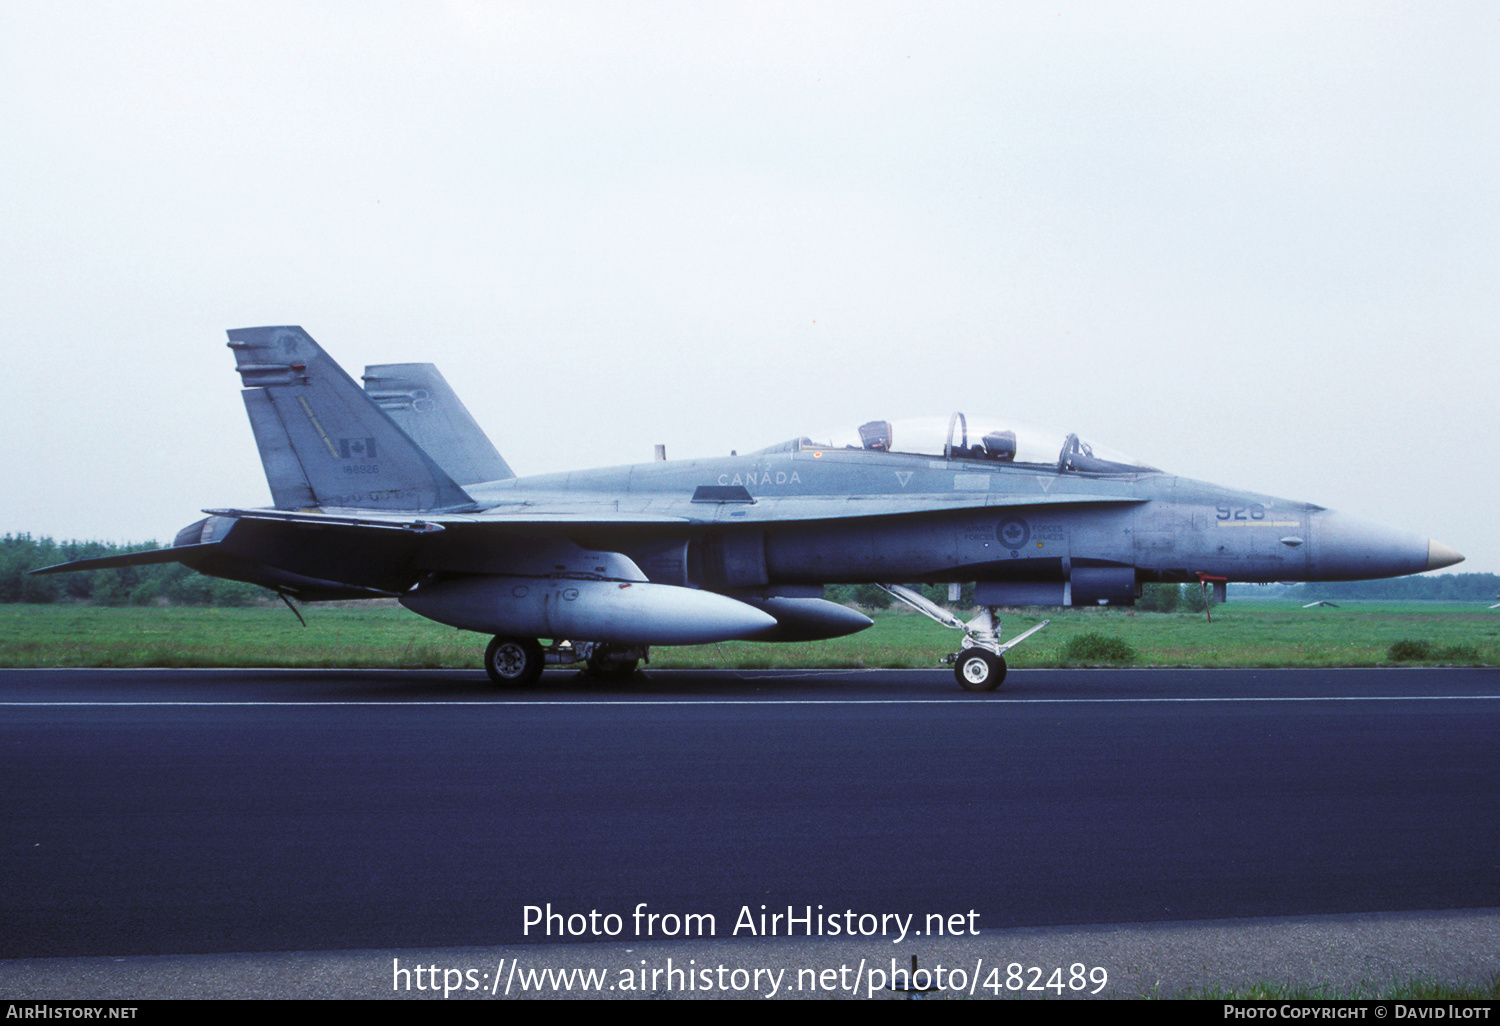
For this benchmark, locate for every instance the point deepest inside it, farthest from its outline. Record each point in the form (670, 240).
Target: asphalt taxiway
(188, 813)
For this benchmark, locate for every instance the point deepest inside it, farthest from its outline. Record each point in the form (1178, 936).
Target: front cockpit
(986, 439)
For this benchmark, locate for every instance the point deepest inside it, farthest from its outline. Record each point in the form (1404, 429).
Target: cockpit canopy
(985, 439)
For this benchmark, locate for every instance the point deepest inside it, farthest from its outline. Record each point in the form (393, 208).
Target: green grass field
(1249, 633)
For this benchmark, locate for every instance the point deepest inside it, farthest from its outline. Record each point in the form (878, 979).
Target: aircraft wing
(571, 511)
(432, 523)
(836, 507)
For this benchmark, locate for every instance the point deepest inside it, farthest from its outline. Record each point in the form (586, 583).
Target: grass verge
(1250, 634)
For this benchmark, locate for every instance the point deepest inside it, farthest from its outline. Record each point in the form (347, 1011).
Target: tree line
(127, 586)
(1436, 587)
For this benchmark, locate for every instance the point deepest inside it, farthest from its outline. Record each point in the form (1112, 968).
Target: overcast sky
(1253, 243)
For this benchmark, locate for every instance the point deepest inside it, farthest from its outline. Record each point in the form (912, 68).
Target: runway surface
(180, 812)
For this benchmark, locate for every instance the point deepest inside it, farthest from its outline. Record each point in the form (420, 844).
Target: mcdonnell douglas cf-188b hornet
(393, 490)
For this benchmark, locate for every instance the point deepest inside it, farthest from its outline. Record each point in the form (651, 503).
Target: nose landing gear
(979, 669)
(979, 665)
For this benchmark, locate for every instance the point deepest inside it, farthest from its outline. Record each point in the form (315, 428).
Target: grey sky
(1250, 243)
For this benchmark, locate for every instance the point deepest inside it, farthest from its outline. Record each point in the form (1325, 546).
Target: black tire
(604, 667)
(978, 669)
(514, 662)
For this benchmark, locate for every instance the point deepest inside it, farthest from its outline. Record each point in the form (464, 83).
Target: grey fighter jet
(393, 490)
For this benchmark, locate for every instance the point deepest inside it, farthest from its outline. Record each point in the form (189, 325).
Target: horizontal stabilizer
(174, 554)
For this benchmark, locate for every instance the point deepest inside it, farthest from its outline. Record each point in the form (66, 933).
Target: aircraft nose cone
(1351, 548)
(1440, 555)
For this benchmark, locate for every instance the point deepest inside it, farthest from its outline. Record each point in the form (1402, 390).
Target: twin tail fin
(324, 442)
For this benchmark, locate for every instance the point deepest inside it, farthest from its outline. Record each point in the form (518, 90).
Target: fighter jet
(392, 490)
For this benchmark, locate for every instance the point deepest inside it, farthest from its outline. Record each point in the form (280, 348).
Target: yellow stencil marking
(321, 433)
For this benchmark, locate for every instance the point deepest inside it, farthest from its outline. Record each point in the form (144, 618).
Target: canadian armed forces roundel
(1013, 532)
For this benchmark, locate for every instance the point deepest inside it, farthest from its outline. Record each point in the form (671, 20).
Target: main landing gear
(613, 664)
(979, 665)
(518, 662)
(514, 662)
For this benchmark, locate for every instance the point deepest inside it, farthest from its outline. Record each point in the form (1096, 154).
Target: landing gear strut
(980, 663)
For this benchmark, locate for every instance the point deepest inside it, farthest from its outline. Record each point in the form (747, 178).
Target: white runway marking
(774, 701)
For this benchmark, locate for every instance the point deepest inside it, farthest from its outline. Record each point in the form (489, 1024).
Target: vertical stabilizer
(418, 398)
(309, 415)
